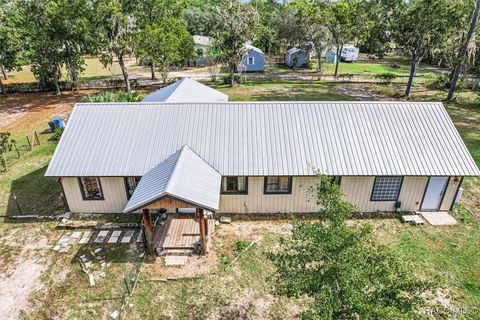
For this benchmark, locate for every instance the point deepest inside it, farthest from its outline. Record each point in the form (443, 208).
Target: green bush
(240, 245)
(236, 79)
(57, 134)
(440, 82)
(113, 96)
(386, 77)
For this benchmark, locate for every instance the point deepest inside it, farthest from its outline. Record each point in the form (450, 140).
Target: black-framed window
(386, 188)
(91, 188)
(130, 184)
(277, 185)
(234, 185)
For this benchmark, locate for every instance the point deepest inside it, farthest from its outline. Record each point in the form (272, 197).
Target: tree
(165, 44)
(421, 27)
(117, 27)
(10, 41)
(347, 273)
(213, 60)
(57, 33)
(314, 36)
(149, 16)
(346, 23)
(463, 52)
(238, 24)
(5, 147)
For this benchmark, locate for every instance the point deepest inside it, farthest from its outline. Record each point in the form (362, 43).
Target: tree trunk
(463, 53)
(55, 82)
(319, 66)
(339, 53)
(152, 70)
(232, 75)
(2, 89)
(126, 79)
(3, 72)
(413, 67)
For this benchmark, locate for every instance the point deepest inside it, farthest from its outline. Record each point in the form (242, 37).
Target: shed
(296, 58)
(186, 90)
(253, 59)
(331, 56)
(201, 45)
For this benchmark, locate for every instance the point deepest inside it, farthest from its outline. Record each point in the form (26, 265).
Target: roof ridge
(178, 84)
(172, 173)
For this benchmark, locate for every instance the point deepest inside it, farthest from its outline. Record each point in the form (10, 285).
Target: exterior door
(434, 193)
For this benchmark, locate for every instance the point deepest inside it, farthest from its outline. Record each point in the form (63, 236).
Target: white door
(434, 193)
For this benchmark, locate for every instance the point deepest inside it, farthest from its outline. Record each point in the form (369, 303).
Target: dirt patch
(358, 93)
(26, 111)
(21, 274)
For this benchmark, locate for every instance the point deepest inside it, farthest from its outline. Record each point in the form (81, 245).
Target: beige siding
(358, 191)
(450, 192)
(257, 202)
(113, 191)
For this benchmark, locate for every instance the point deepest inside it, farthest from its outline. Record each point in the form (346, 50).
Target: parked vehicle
(349, 54)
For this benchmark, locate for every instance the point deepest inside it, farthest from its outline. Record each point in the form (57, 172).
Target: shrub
(440, 82)
(57, 134)
(236, 78)
(386, 77)
(113, 96)
(240, 245)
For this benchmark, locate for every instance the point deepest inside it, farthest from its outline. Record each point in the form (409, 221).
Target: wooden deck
(180, 235)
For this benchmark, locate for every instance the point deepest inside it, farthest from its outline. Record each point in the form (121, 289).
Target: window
(337, 180)
(250, 60)
(235, 185)
(275, 185)
(386, 188)
(130, 184)
(91, 188)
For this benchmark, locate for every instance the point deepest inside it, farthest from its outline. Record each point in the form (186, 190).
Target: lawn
(448, 256)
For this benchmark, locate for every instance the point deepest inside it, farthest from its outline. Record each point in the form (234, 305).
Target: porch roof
(184, 176)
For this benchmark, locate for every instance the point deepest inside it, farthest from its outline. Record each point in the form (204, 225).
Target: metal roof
(265, 138)
(249, 47)
(183, 175)
(202, 40)
(186, 90)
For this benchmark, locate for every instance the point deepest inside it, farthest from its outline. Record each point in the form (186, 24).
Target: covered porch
(186, 184)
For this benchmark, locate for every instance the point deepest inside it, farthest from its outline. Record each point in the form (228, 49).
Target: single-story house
(253, 59)
(259, 157)
(186, 90)
(200, 45)
(297, 58)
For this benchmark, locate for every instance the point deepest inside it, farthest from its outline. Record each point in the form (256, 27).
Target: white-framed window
(386, 188)
(234, 185)
(277, 185)
(250, 61)
(91, 188)
(130, 184)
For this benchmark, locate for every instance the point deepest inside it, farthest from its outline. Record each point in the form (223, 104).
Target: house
(253, 59)
(297, 58)
(201, 45)
(349, 53)
(259, 157)
(185, 90)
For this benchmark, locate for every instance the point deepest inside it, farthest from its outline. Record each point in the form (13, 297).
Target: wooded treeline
(55, 35)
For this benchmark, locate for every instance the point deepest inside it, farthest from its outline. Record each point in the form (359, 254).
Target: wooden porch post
(203, 231)
(148, 230)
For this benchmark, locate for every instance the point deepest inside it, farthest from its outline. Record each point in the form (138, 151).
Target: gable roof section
(202, 40)
(265, 138)
(184, 176)
(249, 48)
(186, 90)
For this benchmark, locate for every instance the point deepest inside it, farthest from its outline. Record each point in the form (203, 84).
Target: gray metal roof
(265, 138)
(249, 47)
(202, 40)
(186, 90)
(183, 175)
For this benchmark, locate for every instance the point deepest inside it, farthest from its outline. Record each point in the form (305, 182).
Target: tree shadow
(34, 194)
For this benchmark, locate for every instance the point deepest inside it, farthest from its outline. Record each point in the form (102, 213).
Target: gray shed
(253, 60)
(296, 58)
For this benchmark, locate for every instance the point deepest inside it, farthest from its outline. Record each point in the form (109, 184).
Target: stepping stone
(86, 237)
(140, 237)
(128, 236)
(175, 260)
(102, 235)
(74, 237)
(114, 237)
(64, 239)
(64, 248)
